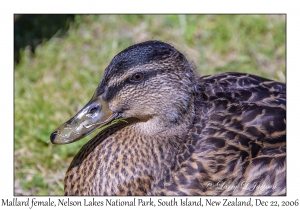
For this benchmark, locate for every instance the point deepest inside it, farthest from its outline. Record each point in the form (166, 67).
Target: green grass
(55, 81)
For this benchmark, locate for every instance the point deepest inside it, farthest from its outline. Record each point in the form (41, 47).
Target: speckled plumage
(185, 135)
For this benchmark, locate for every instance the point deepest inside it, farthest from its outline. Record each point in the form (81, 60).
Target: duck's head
(150, 82)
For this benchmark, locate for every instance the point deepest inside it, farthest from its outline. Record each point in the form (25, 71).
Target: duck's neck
(139, 159)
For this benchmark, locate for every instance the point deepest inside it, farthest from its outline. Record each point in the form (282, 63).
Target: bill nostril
(94, 109)
(53, 136)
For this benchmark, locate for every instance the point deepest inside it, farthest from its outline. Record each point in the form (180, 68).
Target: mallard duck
(177, 133)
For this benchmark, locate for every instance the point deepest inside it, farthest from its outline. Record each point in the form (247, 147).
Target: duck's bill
(92, 116)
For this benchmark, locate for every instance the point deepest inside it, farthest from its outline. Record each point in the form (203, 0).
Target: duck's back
(238, 143)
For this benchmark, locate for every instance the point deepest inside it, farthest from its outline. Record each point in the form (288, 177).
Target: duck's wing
(237, 145)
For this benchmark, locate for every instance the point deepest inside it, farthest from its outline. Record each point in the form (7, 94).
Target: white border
(154, 6)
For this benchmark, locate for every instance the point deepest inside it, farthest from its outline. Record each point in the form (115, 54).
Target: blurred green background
(59, 61)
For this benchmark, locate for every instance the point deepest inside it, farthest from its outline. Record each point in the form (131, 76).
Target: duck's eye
(93, 110)
(137, 77)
